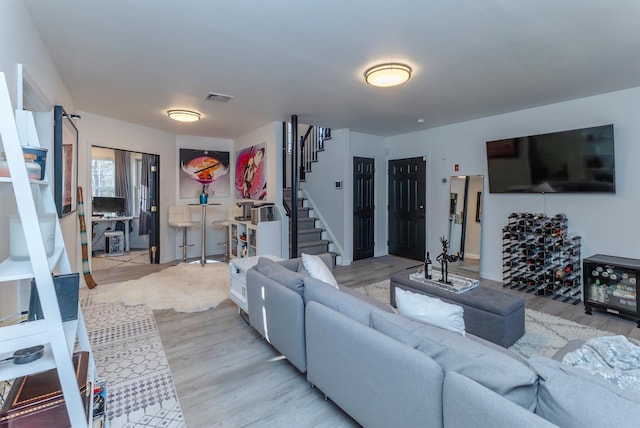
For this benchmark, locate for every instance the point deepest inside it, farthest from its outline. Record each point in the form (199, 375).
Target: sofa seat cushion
(495, 370)
(572, 397)
(277, 272)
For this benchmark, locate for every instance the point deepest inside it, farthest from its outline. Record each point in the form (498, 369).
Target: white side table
(238, 279)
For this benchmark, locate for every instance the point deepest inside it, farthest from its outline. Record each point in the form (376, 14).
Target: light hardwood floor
(226, 375)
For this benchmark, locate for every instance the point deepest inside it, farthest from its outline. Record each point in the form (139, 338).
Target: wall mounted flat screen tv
(579, 160)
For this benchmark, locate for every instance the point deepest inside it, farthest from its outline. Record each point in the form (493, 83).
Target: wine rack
(610, 284)
(540, 256)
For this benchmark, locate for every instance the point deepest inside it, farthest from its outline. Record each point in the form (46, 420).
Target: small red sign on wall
(456, 167)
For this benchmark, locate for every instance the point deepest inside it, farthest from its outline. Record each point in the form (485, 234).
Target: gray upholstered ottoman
(491, 314)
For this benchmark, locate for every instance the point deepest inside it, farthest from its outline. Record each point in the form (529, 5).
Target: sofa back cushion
(572, 397)
(350, 304)
(279, 273)
(495, 370)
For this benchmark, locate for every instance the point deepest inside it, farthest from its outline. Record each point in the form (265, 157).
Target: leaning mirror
(465, 221)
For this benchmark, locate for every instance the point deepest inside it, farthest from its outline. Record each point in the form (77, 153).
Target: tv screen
(579, 160)
(103, 205)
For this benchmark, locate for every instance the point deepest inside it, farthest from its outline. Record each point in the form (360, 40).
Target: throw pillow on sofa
(318, 270)
(279, 273)
(430, 310)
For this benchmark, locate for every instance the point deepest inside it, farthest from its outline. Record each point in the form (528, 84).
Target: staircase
(310, 240)
(310, 237)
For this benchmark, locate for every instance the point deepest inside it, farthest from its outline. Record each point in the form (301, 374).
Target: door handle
(421, 207)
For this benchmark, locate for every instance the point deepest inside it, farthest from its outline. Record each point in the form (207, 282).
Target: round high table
(203, 260)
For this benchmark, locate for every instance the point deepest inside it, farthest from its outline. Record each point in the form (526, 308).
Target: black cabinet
(611, 285)
(540, 256)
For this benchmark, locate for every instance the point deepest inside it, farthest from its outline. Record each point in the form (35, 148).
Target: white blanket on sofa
(613, 358)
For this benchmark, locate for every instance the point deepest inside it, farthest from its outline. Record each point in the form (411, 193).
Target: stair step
(303, 212)
(313, 247)
(300, 202)
(306, 223)
(306, 235)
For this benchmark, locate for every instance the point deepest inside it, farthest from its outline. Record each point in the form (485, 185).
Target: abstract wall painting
(204, 171)
(251, 173)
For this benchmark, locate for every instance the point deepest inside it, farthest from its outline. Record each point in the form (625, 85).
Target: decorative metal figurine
(444, 258)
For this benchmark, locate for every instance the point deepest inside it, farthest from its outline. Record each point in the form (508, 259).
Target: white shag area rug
(183, 288)
(544, 334)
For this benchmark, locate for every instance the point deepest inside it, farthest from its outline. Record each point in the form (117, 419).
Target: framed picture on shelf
(65, 161)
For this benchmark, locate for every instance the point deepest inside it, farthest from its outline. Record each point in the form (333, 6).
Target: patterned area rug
(544, 334)
(128, 352)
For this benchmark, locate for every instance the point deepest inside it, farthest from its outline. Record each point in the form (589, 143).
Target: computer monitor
(103, 205)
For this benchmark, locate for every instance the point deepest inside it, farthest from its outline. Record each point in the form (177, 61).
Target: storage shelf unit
(540, 256)
(59, 338)
(249, 240)
(611, 285)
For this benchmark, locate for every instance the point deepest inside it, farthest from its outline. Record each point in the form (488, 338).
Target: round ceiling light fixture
(387, 75)
(184, 115)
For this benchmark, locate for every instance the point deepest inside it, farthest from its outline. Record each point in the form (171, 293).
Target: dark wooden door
(154, 194)
(363, 208)
(407, 220)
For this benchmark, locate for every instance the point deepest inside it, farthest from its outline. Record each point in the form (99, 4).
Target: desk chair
(180, 217)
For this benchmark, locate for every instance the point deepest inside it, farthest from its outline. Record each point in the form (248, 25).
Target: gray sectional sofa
(386, 370)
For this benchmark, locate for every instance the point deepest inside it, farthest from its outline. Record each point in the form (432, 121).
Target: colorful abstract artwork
(204, 170)
(251, 173)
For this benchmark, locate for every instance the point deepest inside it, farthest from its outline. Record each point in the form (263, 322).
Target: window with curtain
(117, 173)
(103, 177)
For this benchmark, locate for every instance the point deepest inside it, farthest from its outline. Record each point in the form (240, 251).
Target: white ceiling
(134, 59)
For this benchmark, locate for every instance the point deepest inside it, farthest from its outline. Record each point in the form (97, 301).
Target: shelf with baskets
(34, 199)
(540, 256)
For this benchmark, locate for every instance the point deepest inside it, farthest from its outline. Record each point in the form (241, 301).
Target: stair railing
(302, 156)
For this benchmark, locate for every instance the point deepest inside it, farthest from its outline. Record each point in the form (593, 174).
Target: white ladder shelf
(58, 338)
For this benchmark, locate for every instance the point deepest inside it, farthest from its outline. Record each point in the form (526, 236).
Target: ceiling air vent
(221, 98)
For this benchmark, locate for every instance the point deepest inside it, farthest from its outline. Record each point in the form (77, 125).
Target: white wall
(105, 132)
(333, 165)
(271, 135)
(607, 223)
(267, 134)
(214, 234)
(20, 43)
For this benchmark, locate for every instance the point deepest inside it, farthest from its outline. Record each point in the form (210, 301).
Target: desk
(203, 260)
(125, 220)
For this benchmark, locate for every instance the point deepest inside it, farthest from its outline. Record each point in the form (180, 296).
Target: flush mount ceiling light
(184, 115)
(386, 75)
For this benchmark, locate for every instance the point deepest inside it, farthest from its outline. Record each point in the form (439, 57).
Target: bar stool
(224, 225)
(232, 210)
(180, 217)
